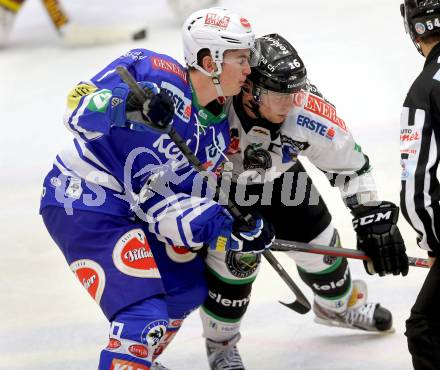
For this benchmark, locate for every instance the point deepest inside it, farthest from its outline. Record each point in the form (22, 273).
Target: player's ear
(208, 64)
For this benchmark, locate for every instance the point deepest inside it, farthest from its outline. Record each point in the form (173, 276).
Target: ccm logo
(371, 219)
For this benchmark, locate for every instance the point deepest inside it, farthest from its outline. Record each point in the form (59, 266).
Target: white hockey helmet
(217, 29)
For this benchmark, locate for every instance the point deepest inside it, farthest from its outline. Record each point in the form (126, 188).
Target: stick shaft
(289, 246)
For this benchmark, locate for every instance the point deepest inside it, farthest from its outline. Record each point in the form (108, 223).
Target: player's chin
(278, 119)
(236, 89)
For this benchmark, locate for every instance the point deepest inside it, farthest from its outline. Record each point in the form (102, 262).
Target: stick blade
(301, 308)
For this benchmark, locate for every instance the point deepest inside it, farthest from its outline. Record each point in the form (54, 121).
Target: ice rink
(357, 53)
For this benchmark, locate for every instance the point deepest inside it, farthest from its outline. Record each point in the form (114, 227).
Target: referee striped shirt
(419, 153)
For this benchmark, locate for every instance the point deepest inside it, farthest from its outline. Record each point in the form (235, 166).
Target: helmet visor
(249, 56)
(282, 103)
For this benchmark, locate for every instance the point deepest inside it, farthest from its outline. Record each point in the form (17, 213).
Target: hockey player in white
(278, 116)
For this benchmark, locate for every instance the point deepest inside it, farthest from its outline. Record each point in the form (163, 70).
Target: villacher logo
(132, 255)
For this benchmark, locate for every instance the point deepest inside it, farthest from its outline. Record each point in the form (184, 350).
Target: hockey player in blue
(123, 204)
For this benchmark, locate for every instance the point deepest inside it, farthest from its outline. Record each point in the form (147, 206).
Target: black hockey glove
(379, 237)
(127, 111)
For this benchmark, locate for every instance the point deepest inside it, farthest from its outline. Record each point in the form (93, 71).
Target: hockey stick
(76, 34)
(289, 246)
(56, 13)
(301, 305)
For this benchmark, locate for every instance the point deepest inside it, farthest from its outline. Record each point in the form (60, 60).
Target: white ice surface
(356, 51)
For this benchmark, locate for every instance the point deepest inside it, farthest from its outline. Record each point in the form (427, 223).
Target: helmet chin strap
(215, 76)
(255, 108)
(253, 104)
(218, 87)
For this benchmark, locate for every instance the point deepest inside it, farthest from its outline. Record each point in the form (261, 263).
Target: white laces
(215, 143)
(199, 127)
(362, 315)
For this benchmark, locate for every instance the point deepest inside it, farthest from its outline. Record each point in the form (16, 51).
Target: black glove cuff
(375, 213)
(372, 205)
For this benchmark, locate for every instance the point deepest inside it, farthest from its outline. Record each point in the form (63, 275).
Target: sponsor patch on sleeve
(410, 141)
(409, 135)
(74, 96)
(316, 127)
(170, 67)
(324, 109)
(99, 101)
(182, 104)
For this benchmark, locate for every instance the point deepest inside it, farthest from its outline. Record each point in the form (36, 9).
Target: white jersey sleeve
(325, 140)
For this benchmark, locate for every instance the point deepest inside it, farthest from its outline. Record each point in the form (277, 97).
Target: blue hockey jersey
(117, 171)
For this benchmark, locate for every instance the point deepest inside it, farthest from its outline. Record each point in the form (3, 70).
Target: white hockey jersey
(261, 152)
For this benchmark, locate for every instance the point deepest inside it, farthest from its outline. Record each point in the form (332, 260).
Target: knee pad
(136, 332)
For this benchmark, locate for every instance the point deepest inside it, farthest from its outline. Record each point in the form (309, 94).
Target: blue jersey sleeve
(185, 220)
(87, 103)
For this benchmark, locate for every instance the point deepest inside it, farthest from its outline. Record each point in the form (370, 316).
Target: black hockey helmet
(280, 69)
(421, 19)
